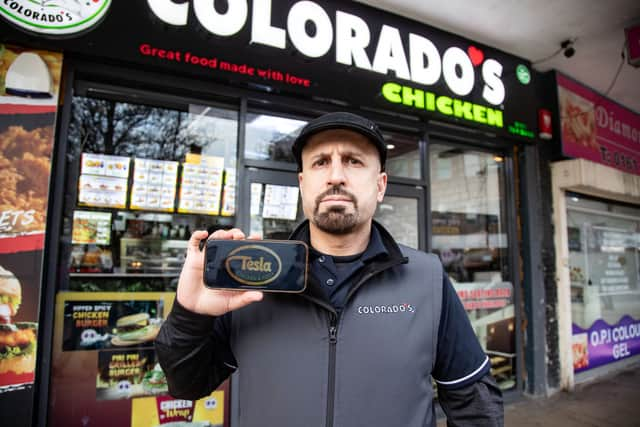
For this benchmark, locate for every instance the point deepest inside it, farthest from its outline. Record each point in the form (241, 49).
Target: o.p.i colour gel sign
(603, 343)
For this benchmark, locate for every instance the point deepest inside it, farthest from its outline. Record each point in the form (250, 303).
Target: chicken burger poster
(93, 325)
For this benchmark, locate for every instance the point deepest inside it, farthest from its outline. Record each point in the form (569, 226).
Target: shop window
(604, 270)
(140, 179)
(469, 233)
(403, 155)
(269, 137)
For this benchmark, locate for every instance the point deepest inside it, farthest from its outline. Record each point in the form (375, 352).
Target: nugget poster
(29, 86)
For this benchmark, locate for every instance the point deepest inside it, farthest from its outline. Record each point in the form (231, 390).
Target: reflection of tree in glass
(101, 126)
(280, 149)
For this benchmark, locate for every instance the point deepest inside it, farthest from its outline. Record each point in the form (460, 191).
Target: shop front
(596, 201)
(186, 123)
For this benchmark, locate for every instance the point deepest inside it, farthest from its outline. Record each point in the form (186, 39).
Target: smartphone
(264, 265)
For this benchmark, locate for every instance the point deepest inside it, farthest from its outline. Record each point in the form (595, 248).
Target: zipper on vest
(331, 385)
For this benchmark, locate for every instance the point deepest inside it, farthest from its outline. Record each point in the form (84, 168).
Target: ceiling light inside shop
(498, 159)
(390, 146)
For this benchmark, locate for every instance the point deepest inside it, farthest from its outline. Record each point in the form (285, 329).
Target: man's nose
(337, 174)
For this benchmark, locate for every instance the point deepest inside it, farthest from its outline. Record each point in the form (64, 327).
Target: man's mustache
(336, 190)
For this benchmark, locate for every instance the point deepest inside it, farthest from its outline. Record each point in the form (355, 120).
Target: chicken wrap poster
(104, 377)
(165, 410)
(91, 325)
(596, 128)
(603, 343)
(29, 86)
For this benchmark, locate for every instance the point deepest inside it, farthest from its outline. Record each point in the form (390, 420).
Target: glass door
(272, 200)
(402, 214)
(470, 233)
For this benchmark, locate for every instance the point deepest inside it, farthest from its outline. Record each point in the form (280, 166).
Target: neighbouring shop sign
(603, 343)
(596, 128)
(339, 50)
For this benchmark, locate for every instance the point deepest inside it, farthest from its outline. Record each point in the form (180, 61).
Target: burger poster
(129, 373)
(91, 325)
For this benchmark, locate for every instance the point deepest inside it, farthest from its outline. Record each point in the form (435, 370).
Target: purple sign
(603, 343)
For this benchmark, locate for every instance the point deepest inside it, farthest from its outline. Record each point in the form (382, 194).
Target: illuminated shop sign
(338, 51)
(350, 38)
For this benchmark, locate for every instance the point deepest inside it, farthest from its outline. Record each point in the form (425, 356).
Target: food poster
(123, 374)
(29, 87)
(29, 82)
(596, 128)
(91, 325)
(104, 362)
(168, 412)
(91, 228)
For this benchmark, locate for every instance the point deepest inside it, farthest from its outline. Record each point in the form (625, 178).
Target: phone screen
(265, 265)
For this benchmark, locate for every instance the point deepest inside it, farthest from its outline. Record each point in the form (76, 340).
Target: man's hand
(192, 293)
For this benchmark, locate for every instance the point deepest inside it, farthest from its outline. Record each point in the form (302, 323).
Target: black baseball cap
(340, 120)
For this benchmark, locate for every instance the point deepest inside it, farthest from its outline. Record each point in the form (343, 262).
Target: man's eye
(320, 162)
(353, 161)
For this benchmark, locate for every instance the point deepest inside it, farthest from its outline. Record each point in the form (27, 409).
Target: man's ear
(382, 185)
(300, 182)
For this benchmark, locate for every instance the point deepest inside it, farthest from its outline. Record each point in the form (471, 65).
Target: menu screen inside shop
(140, 178)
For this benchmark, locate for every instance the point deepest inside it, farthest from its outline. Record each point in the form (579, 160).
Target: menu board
(154, 185)
(280, 202)
(612, 259)
(201, 185)
(103, 180)
(229, 193)
(91, 228)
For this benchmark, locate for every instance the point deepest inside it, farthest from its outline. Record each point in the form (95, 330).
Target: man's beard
(335, 220)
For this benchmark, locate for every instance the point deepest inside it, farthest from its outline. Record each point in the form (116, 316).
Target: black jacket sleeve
(477, 405)
(194, 353)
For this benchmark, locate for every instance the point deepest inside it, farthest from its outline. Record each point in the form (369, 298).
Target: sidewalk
(610, 401)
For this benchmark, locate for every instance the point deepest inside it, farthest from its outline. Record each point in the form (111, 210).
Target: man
(361, 345)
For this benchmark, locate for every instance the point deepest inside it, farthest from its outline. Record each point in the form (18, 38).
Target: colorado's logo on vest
(386, 309)
(253, 265)
(62, 17)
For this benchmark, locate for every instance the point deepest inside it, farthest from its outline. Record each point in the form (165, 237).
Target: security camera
(568, 48)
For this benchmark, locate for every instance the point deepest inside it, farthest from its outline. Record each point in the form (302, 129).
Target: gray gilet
(301, 365)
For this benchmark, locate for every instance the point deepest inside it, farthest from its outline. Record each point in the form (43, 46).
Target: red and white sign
(596, 128)
(633, 45)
